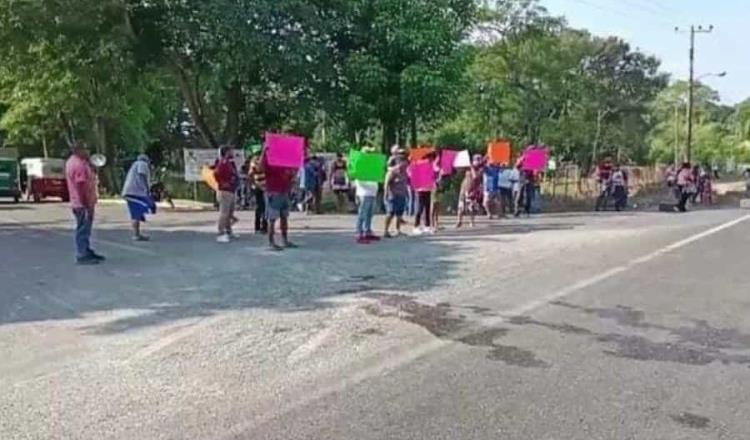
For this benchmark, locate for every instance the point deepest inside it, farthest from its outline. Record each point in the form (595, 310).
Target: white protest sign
(463, 160)
(198, 158)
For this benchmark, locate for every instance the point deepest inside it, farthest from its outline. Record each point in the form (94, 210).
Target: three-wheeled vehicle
(46, 178)
(9, 186)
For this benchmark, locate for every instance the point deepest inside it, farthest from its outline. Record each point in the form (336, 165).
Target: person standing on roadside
(339, 182)
(619, 187)
(227, 180)
(505, 187)
(423, 217)
(279, 183)
(491, 178)
(396, 195)
(310, 184)
(516, 181)
(258, 185)
(603, 175)
(685, 186)
(398, 156)
(81, 180)
(366, 193)
(470, 196)
(137, 194)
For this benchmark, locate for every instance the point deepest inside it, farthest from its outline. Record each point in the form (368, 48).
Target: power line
(654, 18)
(646, 6)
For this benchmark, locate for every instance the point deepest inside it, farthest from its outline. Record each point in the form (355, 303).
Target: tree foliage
(131, 75)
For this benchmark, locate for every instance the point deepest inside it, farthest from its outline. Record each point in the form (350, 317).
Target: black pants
(620, 194)
(424, 202)
(684, 197)
(525, 198)
(261, 224)
(603, 200)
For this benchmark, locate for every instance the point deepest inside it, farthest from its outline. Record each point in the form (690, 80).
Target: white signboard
(198, 158)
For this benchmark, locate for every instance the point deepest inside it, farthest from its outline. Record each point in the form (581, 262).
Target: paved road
(560, 327)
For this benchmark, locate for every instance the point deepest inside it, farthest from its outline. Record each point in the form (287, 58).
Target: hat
(396, 149)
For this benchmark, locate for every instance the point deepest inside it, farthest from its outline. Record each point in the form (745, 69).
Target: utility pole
(691, 92)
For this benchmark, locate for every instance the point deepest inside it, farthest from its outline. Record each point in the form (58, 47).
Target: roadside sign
(198, 158)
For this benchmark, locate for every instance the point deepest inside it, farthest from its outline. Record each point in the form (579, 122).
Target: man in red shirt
(227, 180)
(81, 180)
(279, 183)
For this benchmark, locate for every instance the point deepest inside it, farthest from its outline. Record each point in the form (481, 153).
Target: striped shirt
(258, 177)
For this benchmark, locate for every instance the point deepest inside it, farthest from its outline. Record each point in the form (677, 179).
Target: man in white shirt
(506, 189)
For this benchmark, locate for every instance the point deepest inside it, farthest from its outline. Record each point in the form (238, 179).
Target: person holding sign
(367, 170)
(279, 182)
(423, 179)
(366, 193)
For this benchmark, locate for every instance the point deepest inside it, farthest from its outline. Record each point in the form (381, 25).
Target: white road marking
(414, 353)
(109, 243)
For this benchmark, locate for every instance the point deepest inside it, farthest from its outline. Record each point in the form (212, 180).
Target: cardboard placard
(535, 159)
(367, 167)
(422, 175)
(499, 153)
(447, 161)
(285, 151)
(463, 160)
(417, 154)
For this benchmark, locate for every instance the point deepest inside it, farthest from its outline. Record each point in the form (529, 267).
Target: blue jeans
(364, 215)
(84, 224)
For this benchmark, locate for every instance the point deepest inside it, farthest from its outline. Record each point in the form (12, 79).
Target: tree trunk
(414, 133)
(190, 94)
(599, 116)
(45, 152)
(235, 104)
(389, 136)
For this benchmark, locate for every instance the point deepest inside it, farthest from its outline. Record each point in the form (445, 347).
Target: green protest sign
(367, 167)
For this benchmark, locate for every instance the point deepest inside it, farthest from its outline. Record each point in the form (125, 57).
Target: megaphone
(98, 160)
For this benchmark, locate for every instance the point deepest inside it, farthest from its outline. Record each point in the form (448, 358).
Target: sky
(649, 25)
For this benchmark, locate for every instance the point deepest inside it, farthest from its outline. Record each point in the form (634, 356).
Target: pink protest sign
(285, 151)
(447, 158)
(422, 175)
(535, 159)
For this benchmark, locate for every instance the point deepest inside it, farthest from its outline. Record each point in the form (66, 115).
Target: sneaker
(363, 240)
(417, 232)
(372, 237)
(96, 256)
(224, 238)
(87, 261)
(141, 238)
(234, 236)
(429, 231)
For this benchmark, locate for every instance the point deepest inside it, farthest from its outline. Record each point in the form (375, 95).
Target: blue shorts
(396, 205)
(138, 207)
(277, 206)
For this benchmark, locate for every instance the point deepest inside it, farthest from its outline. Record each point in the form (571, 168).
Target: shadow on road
(185, 274)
